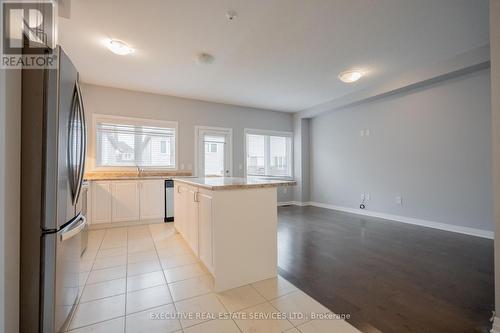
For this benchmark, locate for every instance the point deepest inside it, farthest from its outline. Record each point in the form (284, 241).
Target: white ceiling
(277, 54)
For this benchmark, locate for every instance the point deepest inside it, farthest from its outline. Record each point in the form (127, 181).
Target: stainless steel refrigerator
(53, 148)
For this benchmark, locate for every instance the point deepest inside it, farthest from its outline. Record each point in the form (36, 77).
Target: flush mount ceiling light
(118, 47)
(351, 75)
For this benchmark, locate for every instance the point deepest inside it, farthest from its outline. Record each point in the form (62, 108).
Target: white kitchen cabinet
(192, 219)
(125, 201)
(152, 199)
(101, 202)
(189, 204)
(232, 231)
(180, 208)
(205, 228)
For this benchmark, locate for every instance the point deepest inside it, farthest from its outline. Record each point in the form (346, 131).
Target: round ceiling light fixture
(204, 58)
(119, 47)
(351, 75)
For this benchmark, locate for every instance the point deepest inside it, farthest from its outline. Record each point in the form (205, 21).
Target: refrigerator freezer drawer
(61, 283)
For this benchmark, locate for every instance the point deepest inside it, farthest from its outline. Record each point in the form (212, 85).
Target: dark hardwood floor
(389, 276)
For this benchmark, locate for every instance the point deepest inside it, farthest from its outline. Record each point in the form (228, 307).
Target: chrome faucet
(139, 170)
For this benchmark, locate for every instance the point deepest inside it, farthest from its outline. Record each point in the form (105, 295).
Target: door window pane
(214, 155)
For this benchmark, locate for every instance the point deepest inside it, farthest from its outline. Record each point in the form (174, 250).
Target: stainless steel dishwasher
(169, 200)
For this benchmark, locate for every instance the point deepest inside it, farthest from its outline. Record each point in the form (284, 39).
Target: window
(210, 147)
(129, 142)
(163, 147)
(269, 153)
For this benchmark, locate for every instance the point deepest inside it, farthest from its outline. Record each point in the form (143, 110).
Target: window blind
(135, 145)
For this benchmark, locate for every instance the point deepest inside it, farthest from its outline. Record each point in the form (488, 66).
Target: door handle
(67, 234)
(73, 174)
(83, 140)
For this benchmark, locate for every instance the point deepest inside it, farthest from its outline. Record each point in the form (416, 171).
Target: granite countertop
(134, 175)
(229, 183)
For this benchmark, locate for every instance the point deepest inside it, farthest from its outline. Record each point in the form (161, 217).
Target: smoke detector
(204, 58)
(231, 15)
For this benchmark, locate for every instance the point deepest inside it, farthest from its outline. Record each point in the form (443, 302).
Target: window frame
(98, 118)
(268, 133)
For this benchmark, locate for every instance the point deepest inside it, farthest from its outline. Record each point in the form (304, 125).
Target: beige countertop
(133, 175)
(228, 183)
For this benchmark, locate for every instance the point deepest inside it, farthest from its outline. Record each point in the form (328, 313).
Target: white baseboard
(404, 219)
(294, 203)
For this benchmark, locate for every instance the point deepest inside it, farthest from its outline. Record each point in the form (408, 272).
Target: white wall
(495, 115)
(10, 140)
(301, 192)
(189, 113)
(431, 145)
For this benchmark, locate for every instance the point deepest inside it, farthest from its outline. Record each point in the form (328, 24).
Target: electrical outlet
(363, 196)
(362, 133)
(399, 200)
(367, 132)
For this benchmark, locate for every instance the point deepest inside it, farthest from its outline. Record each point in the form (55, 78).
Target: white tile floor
(134, 278)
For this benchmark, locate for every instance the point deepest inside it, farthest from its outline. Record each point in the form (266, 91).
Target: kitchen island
(231, 225)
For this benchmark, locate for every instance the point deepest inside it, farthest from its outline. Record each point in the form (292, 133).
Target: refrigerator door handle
(73, 231)
(83, 141)
(84, 131)
(73, 176)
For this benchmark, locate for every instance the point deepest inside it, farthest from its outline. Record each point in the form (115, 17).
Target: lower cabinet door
(125, 201)
(192, 220)
(205, 226)
(152, 199)
(101, 202)
(178, 209)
